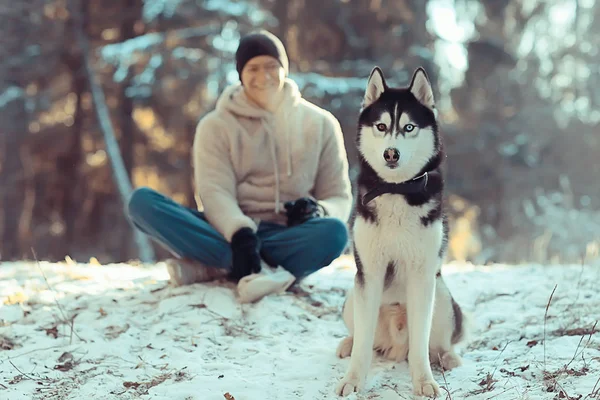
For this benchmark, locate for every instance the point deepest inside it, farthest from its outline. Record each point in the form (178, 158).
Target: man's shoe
(268, 281)
(186, 272)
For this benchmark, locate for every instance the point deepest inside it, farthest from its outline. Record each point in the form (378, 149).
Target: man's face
(263, 78)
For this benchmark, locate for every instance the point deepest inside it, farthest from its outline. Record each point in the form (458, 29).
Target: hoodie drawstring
(234, 101)
(289, 153)
(275, 164)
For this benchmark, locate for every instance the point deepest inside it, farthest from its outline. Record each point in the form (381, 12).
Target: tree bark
(132, 10)
(121, 178)
(12, 175)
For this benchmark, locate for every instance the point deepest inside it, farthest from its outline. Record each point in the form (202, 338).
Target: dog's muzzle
(391, 156)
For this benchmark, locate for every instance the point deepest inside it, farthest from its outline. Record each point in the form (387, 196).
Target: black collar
(415, 185)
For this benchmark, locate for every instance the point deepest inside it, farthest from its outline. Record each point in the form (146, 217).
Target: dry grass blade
(488, 383)
(24, 375)
(34, 351)
(501, 352)
(394, 388)
(545, 318)
(499, 394)
(579, 280)
(591, 333)
(68, 321)
(446, 387)
(595, 392)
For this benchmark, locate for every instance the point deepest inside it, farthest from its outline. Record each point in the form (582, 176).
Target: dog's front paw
(426, 387)
(344, 349)
(351, 383)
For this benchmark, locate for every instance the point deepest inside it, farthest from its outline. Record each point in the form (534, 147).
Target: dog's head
(397, 129)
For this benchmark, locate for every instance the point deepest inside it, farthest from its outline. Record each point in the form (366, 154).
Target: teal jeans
(301, 249)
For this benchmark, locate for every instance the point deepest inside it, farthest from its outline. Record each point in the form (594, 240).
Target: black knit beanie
(260, 43)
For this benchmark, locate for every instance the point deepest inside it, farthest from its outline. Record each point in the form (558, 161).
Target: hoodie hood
(235, 100)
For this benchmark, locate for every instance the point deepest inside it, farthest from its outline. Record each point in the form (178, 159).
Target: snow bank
(132, 336)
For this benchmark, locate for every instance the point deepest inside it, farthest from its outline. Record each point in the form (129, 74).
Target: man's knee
(140, 202)
(335, 233)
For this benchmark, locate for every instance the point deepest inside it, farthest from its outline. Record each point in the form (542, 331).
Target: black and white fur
(399, 301)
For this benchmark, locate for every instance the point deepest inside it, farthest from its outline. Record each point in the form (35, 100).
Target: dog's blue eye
(409, 128)
(381, 127)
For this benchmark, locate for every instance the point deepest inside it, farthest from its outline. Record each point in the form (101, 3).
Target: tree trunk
(132, 10)
(12, 176)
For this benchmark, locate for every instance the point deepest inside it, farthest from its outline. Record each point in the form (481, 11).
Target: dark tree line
(520, 127)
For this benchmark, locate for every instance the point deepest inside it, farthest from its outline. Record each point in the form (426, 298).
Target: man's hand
(245, 247)
(303, 209)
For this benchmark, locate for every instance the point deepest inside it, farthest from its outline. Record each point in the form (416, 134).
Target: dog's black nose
(391, 155)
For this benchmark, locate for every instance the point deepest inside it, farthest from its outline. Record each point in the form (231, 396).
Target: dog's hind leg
(344, 349)
(368, 288)
(420, 286)
(448, 328)
(397, 331)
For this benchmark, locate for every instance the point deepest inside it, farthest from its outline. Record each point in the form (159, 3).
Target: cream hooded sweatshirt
(248, 161)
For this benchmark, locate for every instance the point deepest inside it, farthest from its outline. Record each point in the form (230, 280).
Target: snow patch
(134, 336)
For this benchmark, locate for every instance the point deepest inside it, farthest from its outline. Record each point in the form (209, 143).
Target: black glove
(245, 247)
(303, 209)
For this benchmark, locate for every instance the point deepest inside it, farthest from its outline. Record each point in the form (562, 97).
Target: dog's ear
(421, 89)
(375, 87)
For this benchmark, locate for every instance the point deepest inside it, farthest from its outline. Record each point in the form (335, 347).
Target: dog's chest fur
(394, 233)
(398, 233)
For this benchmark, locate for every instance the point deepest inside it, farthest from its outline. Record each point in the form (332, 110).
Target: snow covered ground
(119, 332)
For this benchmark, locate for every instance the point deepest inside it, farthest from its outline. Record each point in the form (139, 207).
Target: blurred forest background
(517, 82)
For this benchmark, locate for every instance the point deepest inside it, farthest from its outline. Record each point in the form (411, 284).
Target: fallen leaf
(64, 367)
(16, 379)
(229, 396)
(66, 356)
(180, 375)
(113, 331)
(532, 343)
(134, 385)
(102, 312)
(6, 343)
(579, 331)
(65, 362)
(53, 331)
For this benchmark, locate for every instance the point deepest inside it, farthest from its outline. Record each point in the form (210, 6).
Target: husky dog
(399, 304)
